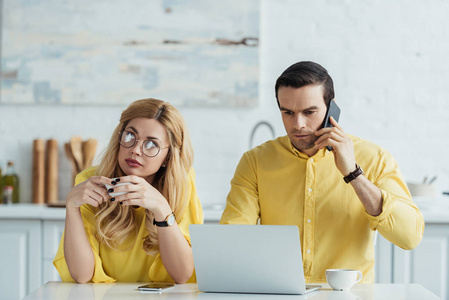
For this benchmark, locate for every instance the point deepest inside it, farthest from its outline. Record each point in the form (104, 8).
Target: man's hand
(343, 148)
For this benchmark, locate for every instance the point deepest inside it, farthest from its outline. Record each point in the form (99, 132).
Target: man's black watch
(353, 175)
(169, 221)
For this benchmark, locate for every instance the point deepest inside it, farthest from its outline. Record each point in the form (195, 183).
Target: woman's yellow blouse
(131, 264)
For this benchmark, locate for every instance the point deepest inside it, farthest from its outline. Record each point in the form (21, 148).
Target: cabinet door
(52, 236)
(20, 258)
(383, 259)
(428, 263)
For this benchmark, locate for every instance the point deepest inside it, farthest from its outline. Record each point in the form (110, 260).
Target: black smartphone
(155, 287)
(332, 111)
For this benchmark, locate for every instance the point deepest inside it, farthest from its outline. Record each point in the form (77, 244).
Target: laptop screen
(248, 258)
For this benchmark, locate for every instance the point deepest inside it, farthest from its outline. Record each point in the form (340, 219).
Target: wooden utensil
(77, 152)
(89, 150)
(51, 174)
(68, 153)
(38, 171)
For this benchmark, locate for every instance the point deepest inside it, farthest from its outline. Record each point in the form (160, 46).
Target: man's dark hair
(307, 73)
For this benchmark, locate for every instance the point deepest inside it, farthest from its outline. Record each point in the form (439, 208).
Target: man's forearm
(369, 195)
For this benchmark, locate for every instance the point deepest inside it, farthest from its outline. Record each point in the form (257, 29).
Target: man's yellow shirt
(280, 185)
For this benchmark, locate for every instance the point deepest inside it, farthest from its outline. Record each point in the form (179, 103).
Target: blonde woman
(141, 235)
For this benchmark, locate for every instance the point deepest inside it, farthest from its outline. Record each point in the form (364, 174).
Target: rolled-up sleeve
(400, 222)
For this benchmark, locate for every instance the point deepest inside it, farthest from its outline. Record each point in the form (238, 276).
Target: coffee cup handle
(359, 274)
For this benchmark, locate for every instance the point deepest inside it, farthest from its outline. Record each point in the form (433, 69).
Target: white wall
(390, 69)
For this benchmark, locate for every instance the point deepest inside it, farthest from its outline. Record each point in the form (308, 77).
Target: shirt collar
(320, 154)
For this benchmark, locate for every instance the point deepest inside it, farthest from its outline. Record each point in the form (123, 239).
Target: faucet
(253, 132)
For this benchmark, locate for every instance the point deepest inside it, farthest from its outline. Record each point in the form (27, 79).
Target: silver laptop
(248, 259)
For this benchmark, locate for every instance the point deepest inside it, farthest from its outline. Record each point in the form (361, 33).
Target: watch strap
(353, 175)
(165, 222)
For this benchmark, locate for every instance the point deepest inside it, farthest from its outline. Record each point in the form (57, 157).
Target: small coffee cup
(114, 186)
(343, 279)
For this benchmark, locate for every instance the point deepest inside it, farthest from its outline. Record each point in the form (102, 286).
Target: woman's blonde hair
(115, 223)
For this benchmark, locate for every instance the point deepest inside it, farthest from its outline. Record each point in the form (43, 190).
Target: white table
(119, 291)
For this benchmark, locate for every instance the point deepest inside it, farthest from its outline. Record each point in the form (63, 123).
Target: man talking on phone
(338, 198)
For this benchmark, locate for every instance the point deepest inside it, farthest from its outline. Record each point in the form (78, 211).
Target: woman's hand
(176, 253)
(142, 194)
(92, 191)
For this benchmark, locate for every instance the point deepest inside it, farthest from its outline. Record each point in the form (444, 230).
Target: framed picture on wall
(190, 53)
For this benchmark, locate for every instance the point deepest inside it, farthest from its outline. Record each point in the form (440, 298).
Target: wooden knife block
(45, 171)
(51, 174)
(38, 171)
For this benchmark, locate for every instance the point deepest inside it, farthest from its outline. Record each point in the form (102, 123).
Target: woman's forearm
(176, 253)
(77, 250)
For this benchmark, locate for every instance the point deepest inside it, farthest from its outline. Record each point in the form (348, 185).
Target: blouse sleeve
(192, 215)
(88, 215)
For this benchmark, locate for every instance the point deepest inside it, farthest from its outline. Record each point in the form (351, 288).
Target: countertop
(434, 210)
(44, 212)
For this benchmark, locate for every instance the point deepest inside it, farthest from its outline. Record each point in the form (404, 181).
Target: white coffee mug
(342, 279)
(113, 186)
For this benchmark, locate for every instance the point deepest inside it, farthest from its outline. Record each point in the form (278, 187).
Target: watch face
(171, 220)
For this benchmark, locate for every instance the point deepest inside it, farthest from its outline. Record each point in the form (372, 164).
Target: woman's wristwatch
(353, 175)
(169, 221)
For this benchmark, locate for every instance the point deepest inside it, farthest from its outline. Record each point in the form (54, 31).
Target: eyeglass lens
(150, 148)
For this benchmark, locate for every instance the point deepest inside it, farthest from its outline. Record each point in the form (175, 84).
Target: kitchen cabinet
(29, 239)
(20, 258)
(428, 263)
(52, 233)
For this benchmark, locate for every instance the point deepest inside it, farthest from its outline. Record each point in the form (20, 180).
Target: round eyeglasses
(149, 147)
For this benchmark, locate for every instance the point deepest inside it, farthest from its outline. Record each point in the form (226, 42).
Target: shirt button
(308, 220)
(308, 251)
(311, 159)
(310, 190)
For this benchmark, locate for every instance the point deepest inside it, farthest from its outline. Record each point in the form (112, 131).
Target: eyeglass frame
(136, 141)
